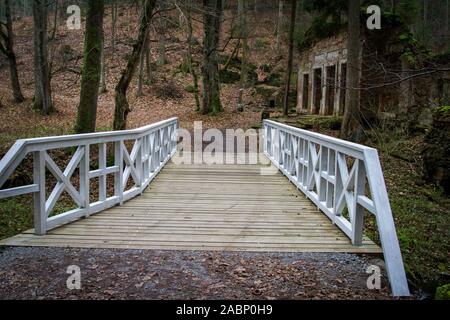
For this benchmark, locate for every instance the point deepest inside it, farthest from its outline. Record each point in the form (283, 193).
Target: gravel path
(40, 273)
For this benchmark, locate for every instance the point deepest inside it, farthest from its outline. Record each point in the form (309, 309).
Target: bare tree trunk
(161, 37)
(287, 86)
(210, 67)
(93, 47)
(161, 50)
(141, 67)
(103, 87)
(190, 40)
(43, 94)
(7, 48)
(113, 27)
(122, 108)
(52, 37)
(352, 117)
(279, 23)
(242, 14)
(298, 17)
(393, 6)
(148, 60)
(425, 12)
(447, 16)
(234, 54)
(62, 11)
(55, 21)
(405, 96)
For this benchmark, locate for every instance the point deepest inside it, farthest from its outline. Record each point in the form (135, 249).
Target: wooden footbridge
(310, 196)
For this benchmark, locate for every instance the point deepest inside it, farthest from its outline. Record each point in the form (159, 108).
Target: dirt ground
(41, 273)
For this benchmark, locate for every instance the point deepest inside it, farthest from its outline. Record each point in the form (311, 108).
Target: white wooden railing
(342, 179)
(153, 146)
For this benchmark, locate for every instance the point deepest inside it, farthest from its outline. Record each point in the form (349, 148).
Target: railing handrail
(22, 147)
(154, 145)
(318, 165)
(356, 147)
(102, 134)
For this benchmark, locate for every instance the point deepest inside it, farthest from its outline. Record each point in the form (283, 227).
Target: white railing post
(386, 226)
(265, 139)
(280, 147)
(332, 173)
(337, 188)
(164, 142)
(161, 146)
(323, 162)
(139, 163)
(146, 157)
(358, 219)
(84, 180)
(176, 127)
(118, 176)
(310, 172)
(40, 216)
(102, 167)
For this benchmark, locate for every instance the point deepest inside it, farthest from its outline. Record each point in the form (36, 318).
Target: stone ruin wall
(403, 102)
(324, 63)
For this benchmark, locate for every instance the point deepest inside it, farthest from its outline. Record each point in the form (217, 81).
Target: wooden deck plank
(187, 231)
(207, 207)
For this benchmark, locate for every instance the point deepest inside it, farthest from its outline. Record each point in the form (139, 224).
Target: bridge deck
(200, 207)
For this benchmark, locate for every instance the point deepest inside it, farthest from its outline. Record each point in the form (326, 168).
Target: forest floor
(420, 210)
(167, 96)
(41, 273)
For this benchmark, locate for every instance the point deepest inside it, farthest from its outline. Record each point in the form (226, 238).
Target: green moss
(407, 38)
(182, 68)
(63, 206)
(252, 76)
(266, 67)
(261, 43)
(16, 215)
(266, 91)
(7, 139)
(274, 79)
(228, 76)
(189, 88)
(410, 57)
(443, 292)
(443, 110)
(319, 123)
(216, 105)
(104, 128)
(321, 28)
(235, 62)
